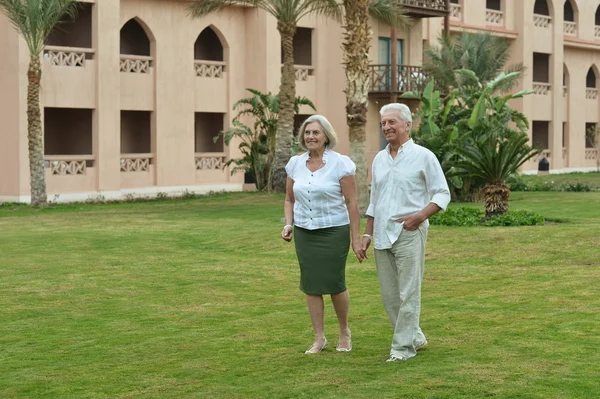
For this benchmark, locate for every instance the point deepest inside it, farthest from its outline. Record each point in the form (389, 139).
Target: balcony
(494, 17)
(209, 167)
(410, 78)
(426, 8)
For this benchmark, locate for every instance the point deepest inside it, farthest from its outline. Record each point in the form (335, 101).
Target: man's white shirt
(403, 186)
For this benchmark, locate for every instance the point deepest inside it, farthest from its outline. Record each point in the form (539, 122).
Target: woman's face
(314, 138)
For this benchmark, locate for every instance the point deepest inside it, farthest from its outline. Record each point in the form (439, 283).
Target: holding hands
(359, 250)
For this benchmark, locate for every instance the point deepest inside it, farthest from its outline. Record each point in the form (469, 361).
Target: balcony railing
(209, 69)
(425, 8)
(597, 31)
(303, 72)
(591, 153)
(542, 21)
(135, 63)
(455, 11)
(591, 93)
(68, 56)
(541, 89)
(136, 162)
(570, 28)
(210, 160)
(68, 165)
(494, 17)
(410, 78)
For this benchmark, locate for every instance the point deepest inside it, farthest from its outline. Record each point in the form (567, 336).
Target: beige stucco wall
(173, 94)
(10, 106)
(578, 52)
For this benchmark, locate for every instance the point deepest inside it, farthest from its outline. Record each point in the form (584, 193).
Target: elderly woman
(321, 204)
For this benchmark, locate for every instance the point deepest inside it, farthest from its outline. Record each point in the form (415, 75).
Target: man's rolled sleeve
(441, 199)
(371, 210)
(437, 186)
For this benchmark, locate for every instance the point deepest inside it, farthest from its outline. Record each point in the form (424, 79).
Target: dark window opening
(74, 32)
(207, 126)
(136, 132)
(569, 12)
(590, 79)
(302, 47)
(493, 5)
(590, 135)
(134, 40)
(541, 68)
(67, 131)
(540, 135)
(541, 8)
(208, 46)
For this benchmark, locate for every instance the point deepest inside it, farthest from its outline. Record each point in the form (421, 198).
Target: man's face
(395, 130)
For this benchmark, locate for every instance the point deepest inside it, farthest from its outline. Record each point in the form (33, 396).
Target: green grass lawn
(199, 299)
(590, 178)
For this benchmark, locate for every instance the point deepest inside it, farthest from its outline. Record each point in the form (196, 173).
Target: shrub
(516, 218)
(458, 217)
(475, 217)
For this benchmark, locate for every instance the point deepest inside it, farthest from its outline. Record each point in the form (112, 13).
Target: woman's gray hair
(402, 109)
(331, 140)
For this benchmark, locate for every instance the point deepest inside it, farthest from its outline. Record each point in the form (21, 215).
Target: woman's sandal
(346, 349)
(315, 349)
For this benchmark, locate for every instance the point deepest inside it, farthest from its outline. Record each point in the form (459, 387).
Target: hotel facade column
(13, 130)
(107, 115)
(173, 124)
(556, 78)
(523, 50)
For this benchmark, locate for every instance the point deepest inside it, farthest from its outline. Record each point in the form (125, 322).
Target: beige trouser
(400, 271)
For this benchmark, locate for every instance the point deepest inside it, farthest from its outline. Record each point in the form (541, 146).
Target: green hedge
(475, 217)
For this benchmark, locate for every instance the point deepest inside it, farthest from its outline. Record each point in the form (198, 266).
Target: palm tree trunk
(357, 41)
(35, 134)
(495, 199)
(287, 97)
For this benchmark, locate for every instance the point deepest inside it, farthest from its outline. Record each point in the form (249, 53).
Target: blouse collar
(325, 155)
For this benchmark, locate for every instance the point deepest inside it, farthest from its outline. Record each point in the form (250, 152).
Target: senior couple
(321, 212)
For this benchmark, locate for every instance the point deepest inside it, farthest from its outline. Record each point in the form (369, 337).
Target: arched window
(598, 15)
(590, 79)
(569, 12)
(541, 7)
(208, 46)
(134, 40)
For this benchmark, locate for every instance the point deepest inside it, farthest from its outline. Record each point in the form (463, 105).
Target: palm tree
(34, 20)
(258, 144)
(264, 108)
(497, 142)
(356, 45)
(287, 13)
(483, 53)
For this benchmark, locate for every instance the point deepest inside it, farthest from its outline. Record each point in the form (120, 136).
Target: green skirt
(322, 256)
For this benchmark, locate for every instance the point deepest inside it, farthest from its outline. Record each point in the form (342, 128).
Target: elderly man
(408, 186)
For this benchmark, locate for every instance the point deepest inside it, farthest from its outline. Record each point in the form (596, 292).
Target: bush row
(475, 217)
(518, 184)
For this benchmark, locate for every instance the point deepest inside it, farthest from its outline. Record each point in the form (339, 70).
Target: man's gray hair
(331, 140)
(402, 109)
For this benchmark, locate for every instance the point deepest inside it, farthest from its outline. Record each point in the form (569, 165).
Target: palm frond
(329, 8)
(35, 19)
(390, 12)
(201, 8)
